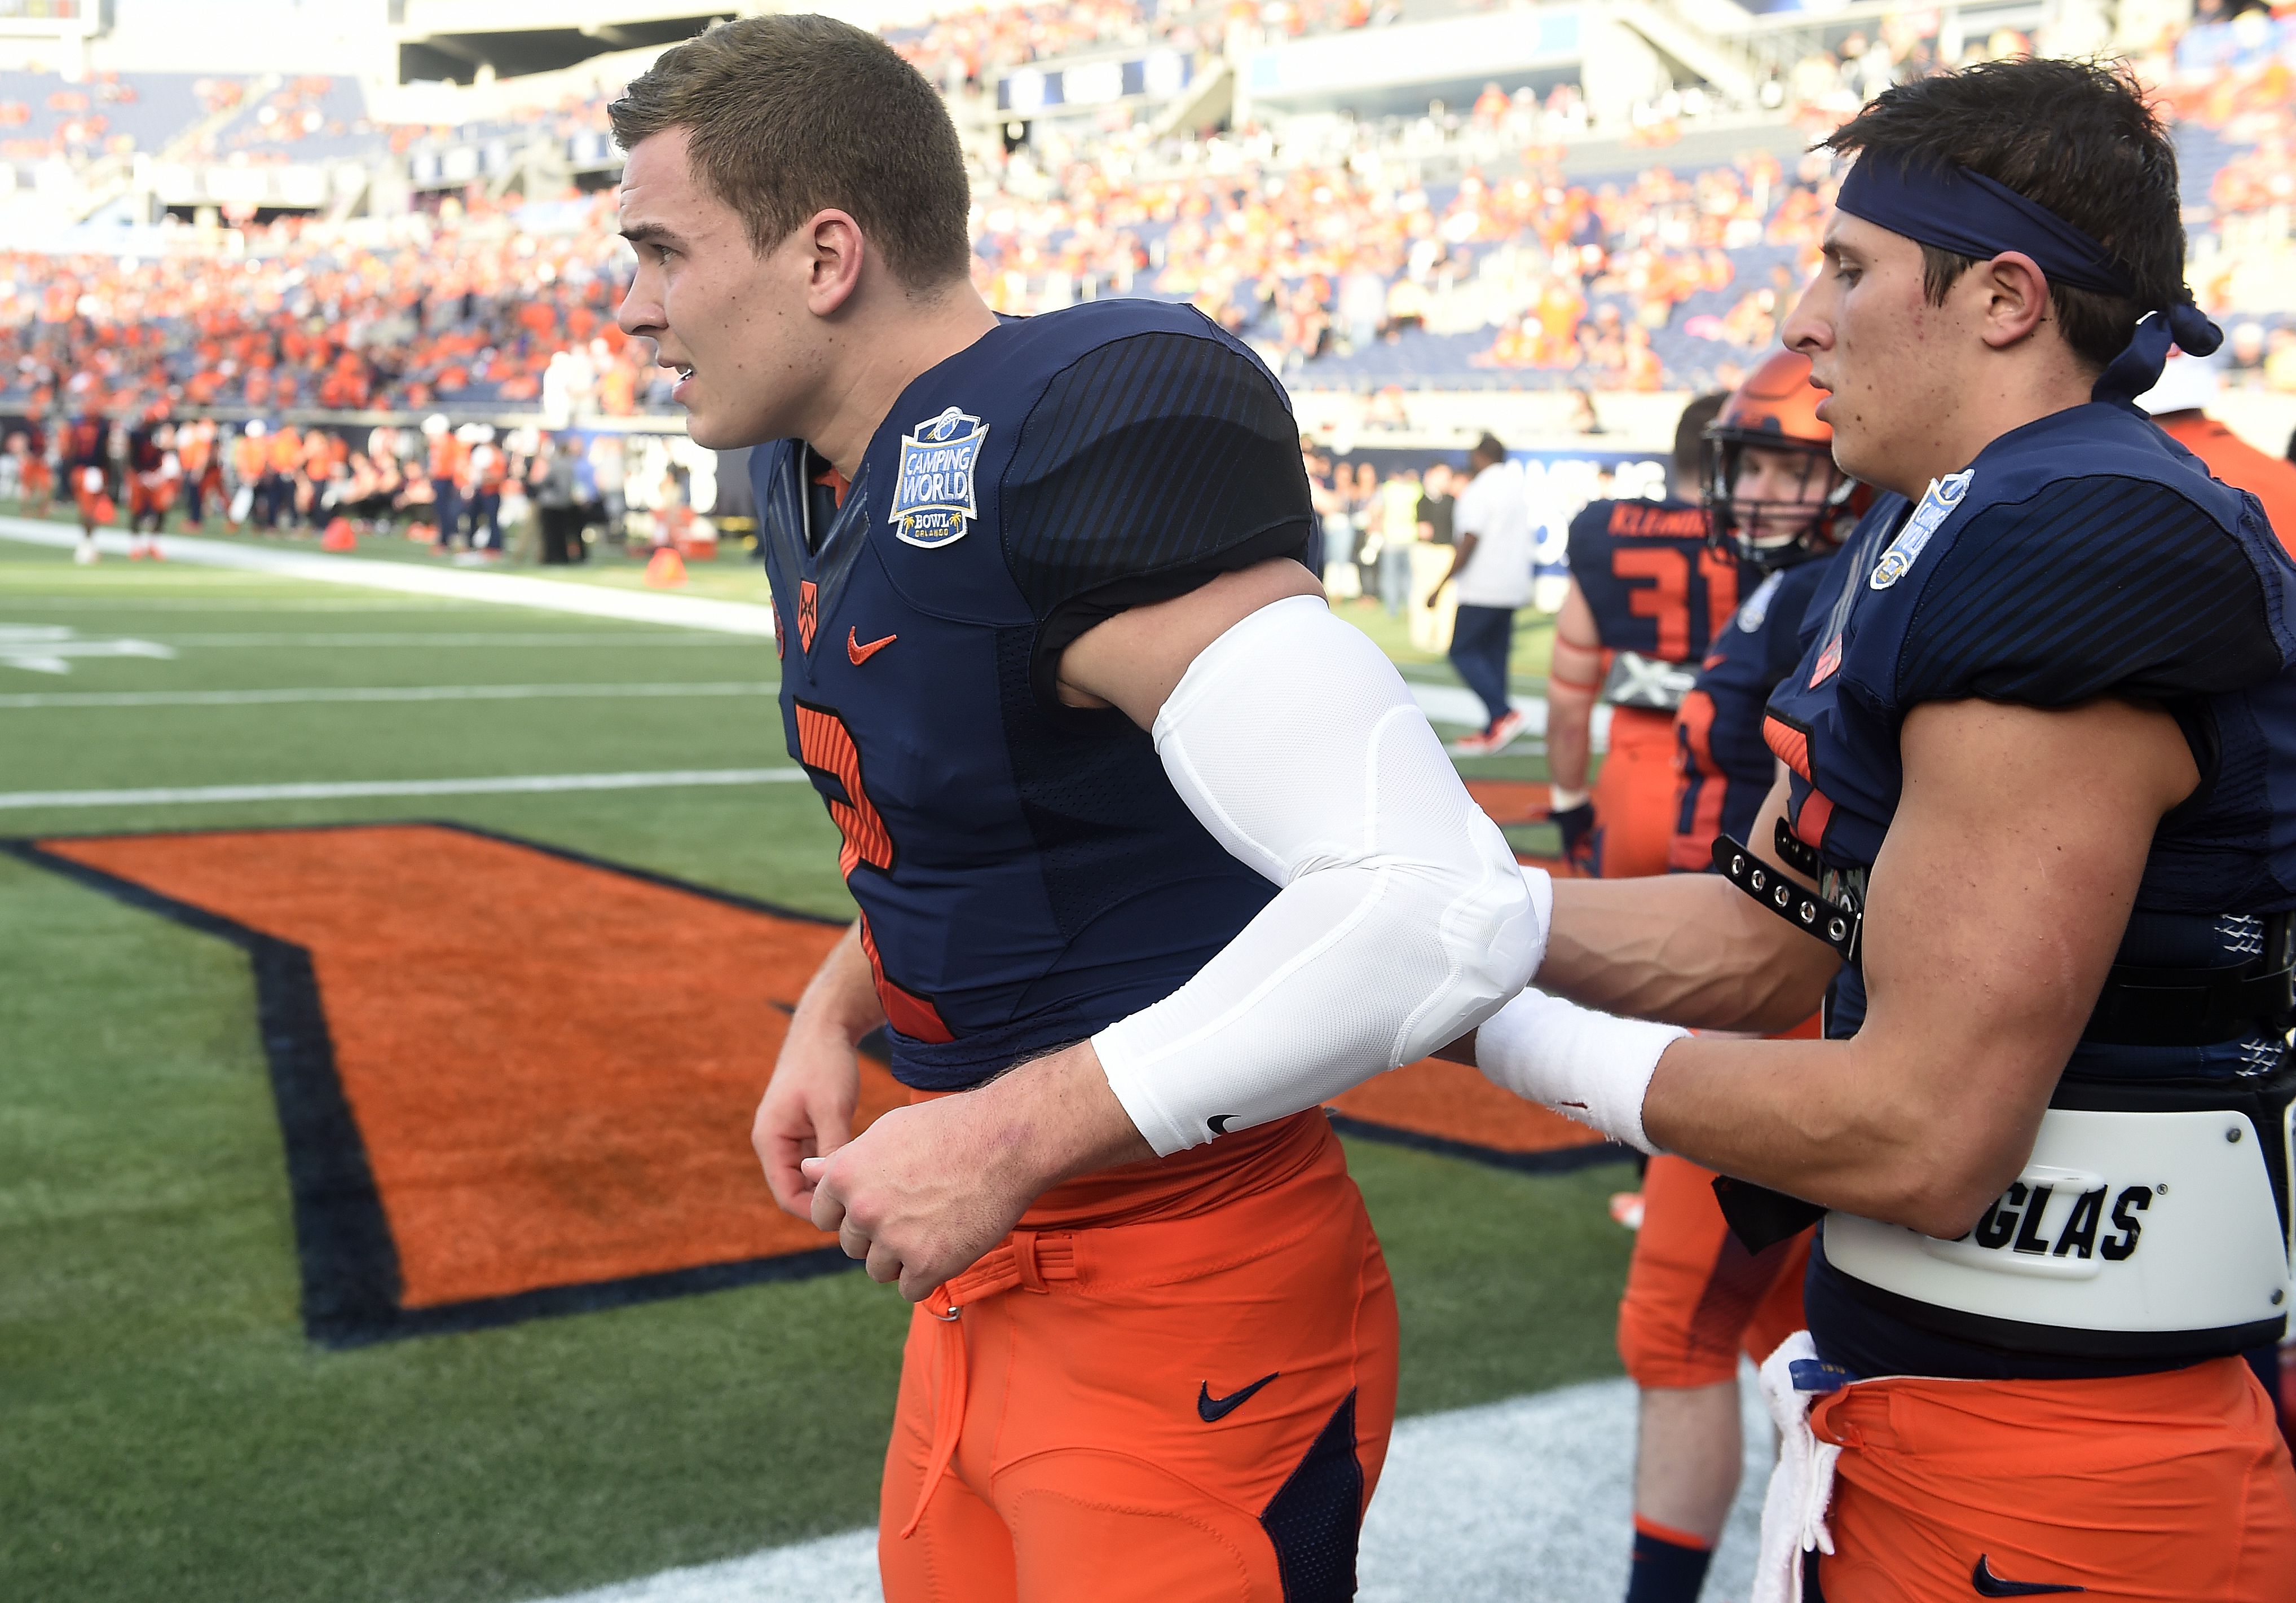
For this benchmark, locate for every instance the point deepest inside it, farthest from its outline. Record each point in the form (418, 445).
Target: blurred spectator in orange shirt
(2179, 403)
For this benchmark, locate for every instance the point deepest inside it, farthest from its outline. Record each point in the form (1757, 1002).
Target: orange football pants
(88, 494)
(158, 495)
(1174, 1381)
(2165, 1488)
(1695, 1297)
(1634, 796)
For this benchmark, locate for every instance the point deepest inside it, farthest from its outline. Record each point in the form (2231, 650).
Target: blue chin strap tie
(1969, 215)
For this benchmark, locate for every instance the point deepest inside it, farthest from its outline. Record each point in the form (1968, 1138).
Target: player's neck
(2002, 398)
(885, 349)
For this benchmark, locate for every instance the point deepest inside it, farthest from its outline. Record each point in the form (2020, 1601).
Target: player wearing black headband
(2037, 849)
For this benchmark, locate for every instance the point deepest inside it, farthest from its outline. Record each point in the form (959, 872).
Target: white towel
(1793, 1514)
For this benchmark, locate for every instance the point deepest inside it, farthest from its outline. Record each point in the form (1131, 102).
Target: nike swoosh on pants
(1211, 1409)
(1991, 1585)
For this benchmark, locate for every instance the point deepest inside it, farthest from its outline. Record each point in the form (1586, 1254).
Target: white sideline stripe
(269, 602)
(537, 637)
(1448, 704)
(1527, 1499)
(337, 789)
(509, 590)
(388, 693)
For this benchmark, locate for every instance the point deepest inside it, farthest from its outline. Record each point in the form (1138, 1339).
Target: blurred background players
(449, 463)
(1696, 1298)
(153, 475)
(86, 457)
(1491, 565)
(1647, 592)
(203, 469)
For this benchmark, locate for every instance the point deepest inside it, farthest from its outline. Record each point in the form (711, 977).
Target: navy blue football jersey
(1655, 586)
(1725, 766)
(2083, 555)
(1025, 872)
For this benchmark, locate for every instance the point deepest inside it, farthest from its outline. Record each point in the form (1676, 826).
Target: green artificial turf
(167, 1431)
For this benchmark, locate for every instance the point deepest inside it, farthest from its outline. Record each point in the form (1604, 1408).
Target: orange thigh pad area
(512, 1080)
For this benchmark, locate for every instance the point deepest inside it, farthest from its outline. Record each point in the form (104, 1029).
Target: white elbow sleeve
(1403, 920)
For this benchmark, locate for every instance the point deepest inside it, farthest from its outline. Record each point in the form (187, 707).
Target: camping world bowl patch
(932, 488)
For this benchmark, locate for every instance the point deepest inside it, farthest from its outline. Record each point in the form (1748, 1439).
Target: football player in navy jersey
(1647, 592)
(1696, 1296)
(1152, 854)
(2036, 848)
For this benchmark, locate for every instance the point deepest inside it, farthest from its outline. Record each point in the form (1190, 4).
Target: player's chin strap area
(1403, 920)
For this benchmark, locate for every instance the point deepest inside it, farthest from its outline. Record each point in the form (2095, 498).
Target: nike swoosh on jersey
(1211, 1409)
(860, 653)
(1991, 1585)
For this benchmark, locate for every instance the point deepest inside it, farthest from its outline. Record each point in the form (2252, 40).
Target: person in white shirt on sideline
(1492, 565)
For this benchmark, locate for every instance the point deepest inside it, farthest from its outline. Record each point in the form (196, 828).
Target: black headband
(1970, 214)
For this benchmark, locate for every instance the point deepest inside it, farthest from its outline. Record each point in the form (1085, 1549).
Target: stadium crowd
(1325, 244)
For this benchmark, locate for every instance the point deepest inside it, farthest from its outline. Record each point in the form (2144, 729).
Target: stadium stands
(1511, 243)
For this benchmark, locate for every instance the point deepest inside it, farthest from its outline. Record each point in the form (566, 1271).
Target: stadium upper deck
(1515, 242)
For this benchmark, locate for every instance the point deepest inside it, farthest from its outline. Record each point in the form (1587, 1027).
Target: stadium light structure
(467, 41)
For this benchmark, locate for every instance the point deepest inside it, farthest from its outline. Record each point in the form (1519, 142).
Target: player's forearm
(1687, 949)
(1570, 719)
(1057, 1118)
(841, 1000)
(1843, 1124)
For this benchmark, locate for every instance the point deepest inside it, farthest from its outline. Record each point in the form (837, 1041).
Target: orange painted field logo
(516, 1082)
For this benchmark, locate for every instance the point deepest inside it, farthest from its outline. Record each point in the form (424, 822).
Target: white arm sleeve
(1403, 920)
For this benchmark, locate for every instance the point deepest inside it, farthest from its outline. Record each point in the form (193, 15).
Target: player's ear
(2016, 298)
(835, 252)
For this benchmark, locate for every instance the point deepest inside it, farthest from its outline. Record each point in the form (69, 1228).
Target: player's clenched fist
(921, 1194)
(809, 1106)
(926, 1190)
(807, 1112)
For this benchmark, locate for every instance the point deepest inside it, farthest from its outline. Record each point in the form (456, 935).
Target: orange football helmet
(1799, 505)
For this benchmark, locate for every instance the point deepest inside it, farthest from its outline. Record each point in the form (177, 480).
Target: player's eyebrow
(653, 234)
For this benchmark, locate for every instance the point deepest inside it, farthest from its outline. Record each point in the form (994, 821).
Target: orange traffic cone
(665, 568)
(338, 536)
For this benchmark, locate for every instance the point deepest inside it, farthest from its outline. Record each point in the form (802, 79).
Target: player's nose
(640, 315)
(1806, 327)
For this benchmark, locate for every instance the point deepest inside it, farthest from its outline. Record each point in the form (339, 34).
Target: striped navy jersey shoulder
(2084, 555)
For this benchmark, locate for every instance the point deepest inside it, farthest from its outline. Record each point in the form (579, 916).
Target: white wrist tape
(1587, 1065)
(1403, 920)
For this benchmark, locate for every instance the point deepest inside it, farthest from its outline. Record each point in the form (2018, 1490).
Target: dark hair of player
(1690, 435)
(2075, 136)
(789, 115)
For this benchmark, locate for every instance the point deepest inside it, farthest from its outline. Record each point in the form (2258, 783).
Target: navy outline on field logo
(933, 481)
